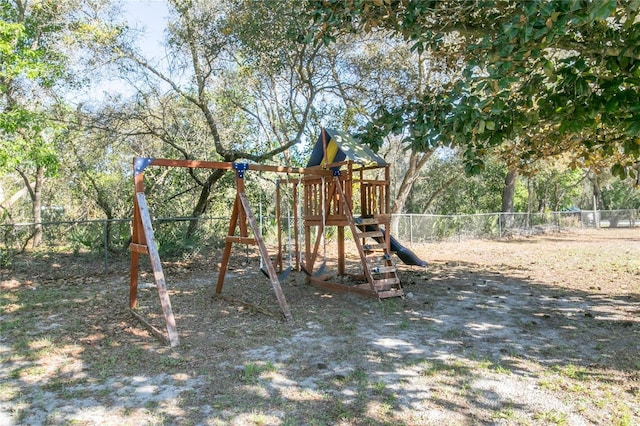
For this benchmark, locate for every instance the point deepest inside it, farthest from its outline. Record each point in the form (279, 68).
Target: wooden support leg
(133, 283)
(158, 274)
(273, 276)
(223, 266)
(341, 261)
(227, 246)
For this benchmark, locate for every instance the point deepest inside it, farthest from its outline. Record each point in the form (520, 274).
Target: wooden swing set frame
(323, 205)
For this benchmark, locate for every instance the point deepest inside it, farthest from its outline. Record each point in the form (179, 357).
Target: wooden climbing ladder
(372, 245)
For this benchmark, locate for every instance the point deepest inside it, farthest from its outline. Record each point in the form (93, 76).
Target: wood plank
(158, 273)
(384, 287)
(241, 240)
(273, 277)
(385, 281)
(383, 269)
(199, 164)
(139, 248)
(370, 234)
(391, 293)
(155, 331)
(371, 247)
(367, 221)
(192, 164)
(133, 280)
(377, 260)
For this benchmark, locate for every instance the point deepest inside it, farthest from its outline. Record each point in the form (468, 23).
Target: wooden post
(386, 208)
(341, 260)
(273, 276)
(363, 197)
(296, 236)
(156, 266)
(137, 239)
(227, 245)
(278, 260)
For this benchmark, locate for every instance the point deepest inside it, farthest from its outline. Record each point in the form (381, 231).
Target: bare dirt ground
(532, 331)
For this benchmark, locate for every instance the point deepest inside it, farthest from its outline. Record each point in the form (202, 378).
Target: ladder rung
(385, 287)
(382, 269)
(367, 221)
(370, 234)
(375, 260)
(386, 281)
(370, 247)
(390, 293)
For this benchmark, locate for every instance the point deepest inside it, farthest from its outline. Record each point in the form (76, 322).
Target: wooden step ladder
(379, 270)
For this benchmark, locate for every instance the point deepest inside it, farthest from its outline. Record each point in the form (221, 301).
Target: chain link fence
(107, 239)
(419, 228)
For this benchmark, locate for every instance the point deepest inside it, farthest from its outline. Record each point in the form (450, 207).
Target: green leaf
(481, 125)
(602, 9)
(619, 171)
(634, 128)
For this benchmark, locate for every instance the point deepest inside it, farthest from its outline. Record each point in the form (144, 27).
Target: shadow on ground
(466, 346)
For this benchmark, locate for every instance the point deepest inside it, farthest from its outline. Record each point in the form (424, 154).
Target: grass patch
(571, 371)
(551, 417)
(452, 368)
(506, 413)
(252, 372)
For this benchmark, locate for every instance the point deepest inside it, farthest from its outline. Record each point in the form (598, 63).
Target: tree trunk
(35, 194)
(417, 160)
(445, 186)
(598, 192)
(203, 200)
(509, 191)
(508, 195)
(37, 207)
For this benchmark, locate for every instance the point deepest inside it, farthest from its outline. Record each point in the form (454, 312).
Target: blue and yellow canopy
(340, 147)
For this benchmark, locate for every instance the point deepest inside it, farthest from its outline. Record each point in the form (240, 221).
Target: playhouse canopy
(341, 147)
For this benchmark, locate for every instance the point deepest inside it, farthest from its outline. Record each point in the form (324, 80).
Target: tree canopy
(549, 76)
(503, 83)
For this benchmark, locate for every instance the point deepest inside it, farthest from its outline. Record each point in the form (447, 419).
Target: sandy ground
(539, 330)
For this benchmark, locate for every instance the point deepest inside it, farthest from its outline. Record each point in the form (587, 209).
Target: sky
(150, 16)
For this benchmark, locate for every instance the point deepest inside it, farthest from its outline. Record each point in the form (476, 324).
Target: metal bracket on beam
(240, 168)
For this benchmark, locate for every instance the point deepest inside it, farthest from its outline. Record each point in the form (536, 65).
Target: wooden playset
(345, 185)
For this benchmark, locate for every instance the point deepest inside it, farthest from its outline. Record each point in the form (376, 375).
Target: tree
(552, 185)
(443, 187)
(31, 64)
(561, 76)
(222, 95)
(376, 69)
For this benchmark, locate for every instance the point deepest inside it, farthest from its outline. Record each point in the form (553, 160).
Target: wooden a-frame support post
(240, 216)
(143, 241)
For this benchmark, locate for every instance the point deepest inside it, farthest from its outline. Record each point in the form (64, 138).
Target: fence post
(499, 225)
(411, 229)
(106, 245)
